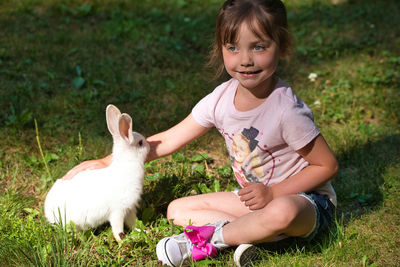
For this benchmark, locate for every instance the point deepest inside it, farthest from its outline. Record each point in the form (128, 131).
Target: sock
(217, 239)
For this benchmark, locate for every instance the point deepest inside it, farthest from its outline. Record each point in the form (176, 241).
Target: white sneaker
(174, 250)
(177, 250)
(246, 255)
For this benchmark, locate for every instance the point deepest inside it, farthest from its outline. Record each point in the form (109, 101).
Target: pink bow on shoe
(199, 236)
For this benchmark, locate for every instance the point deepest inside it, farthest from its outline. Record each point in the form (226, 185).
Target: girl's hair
(264, 17)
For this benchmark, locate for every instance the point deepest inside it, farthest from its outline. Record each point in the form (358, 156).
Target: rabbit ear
(125, 128)
(112, 117)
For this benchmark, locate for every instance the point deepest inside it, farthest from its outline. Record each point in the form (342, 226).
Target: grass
(62, 62)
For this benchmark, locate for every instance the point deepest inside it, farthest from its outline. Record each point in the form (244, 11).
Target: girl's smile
(249, 74)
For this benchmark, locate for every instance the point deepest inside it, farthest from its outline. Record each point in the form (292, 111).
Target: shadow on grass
(360, 181)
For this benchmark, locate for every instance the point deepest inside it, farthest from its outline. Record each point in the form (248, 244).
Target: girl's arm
(322, 167)
(173, 139)
(161, 144)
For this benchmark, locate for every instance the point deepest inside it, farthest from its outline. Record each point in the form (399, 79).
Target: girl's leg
(206, 208)
(291, 215)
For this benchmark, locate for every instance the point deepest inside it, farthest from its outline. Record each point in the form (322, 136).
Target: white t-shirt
(262, 142)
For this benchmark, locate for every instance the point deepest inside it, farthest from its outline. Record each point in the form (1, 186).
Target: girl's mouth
(249, 74)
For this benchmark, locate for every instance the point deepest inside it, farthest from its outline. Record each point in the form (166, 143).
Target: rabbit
(112, 194)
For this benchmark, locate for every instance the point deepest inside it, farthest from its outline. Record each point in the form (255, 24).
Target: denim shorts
(325, 211)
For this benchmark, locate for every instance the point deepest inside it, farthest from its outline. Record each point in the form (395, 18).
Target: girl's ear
(112, 117)
(125, 128)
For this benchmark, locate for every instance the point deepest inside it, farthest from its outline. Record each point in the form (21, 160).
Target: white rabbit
(112, 194)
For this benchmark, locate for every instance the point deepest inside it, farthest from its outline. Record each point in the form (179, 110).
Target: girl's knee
(280, 213)
(179, 208)
(173, 210)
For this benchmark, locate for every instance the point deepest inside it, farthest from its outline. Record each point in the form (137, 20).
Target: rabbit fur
(112, 194)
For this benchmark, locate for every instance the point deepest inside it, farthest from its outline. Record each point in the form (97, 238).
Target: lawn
(62, 62)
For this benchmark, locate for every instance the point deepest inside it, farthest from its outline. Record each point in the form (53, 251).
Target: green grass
(62, 62)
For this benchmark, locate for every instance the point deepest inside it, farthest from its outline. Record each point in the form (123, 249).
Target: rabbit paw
(122, 235)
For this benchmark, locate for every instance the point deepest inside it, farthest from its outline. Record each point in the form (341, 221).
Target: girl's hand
(85, 166)
(255, 195)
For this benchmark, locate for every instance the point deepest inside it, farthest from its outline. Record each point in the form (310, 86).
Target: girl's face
(251, 60)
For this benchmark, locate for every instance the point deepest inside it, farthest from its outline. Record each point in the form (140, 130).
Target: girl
(280, 159)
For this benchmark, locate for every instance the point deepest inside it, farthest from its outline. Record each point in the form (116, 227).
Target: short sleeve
(202, 112)
(298, 128)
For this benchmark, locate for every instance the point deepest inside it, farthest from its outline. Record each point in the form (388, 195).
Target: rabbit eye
(140, 143)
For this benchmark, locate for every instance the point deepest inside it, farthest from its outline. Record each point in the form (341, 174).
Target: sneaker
(201, 241)
(174, 250)
(246, 255)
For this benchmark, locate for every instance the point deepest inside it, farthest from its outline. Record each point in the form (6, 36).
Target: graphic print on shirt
(244, 152)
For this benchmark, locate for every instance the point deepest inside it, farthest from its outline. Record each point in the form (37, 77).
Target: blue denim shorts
(325, 211)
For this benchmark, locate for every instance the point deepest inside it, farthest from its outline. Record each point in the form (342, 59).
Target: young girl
(279, 158)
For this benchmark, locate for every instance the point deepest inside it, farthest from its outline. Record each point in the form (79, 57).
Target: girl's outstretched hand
(255, 195)
(86, 165)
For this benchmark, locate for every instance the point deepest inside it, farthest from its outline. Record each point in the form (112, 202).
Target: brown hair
(264, 17)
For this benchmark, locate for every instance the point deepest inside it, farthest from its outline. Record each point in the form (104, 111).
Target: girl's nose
(246, 59)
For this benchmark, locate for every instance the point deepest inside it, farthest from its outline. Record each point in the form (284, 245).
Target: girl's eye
(231, 48)
(259, 47)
